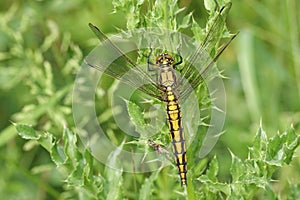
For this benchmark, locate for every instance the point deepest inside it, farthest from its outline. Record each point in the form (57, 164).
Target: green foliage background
(42, 44)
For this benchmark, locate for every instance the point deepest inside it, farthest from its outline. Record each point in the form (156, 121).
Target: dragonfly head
(164, 59)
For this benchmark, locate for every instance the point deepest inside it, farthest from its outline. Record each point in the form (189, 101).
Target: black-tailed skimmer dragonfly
(167, 86)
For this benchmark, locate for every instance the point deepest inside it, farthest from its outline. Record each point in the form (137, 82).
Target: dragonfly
(167, 87)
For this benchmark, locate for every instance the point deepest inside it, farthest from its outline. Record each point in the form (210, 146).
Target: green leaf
(70, 147)
(293, 139)
(237, 168)
(47, 140)
(147, 188)
(259, 145)
(275, 145)
(136, 114)
(26, 132)
(212, 172)
(186, 21)
(199, 33)
(113, 172)
(58, 155)
(210, 5)
(75, 179)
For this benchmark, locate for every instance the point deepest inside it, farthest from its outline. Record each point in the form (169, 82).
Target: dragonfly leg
(149, 61)
(180, 57)
(159, 149)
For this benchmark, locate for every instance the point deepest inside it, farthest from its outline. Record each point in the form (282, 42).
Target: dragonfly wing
(109, 59)
(132, 78)
(195, 77)
(195, 70)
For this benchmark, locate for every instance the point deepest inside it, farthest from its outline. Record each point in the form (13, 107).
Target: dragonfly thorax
(164, 60)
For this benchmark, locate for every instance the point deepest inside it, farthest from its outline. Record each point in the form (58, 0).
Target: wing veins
(98, 32)
(202, 76)
(136, 73)
(192, 76)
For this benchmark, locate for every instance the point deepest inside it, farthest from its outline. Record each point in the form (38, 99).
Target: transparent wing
(194, 71)
(123, 68)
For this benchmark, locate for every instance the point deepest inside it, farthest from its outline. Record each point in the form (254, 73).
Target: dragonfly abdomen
(177, 134)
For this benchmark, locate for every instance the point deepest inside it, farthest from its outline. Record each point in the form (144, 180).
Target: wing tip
(93, 27)
(227, 6)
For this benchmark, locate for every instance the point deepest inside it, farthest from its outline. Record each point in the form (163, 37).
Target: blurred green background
(42, 44)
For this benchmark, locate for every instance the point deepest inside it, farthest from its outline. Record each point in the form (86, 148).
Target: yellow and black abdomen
(177, 134)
